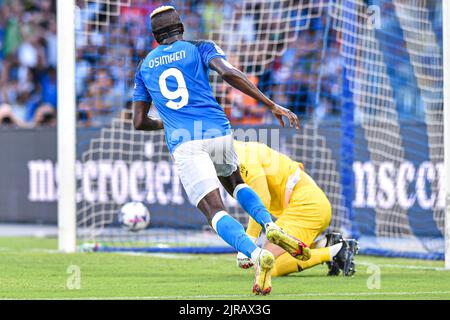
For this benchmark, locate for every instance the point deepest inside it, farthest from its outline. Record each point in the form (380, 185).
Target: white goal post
(446, 69)
(66, 126)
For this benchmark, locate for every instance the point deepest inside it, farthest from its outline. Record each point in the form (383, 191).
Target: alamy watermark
(374, 279)
(374, 17)
(74, 280)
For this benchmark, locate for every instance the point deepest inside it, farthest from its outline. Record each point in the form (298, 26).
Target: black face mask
(168, 32)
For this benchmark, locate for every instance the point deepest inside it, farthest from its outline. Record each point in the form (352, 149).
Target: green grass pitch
(31, 269)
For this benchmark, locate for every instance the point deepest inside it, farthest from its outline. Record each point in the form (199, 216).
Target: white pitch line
(29, 250)
(400, 266)
(299, 295)
(170, 256)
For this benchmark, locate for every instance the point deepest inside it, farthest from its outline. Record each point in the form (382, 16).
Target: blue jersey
(176, 78)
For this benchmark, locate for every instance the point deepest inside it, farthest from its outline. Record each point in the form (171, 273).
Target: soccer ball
(134, 216)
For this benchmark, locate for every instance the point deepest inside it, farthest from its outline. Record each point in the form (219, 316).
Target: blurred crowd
(108, 56)
(307, 77)
(28, 93)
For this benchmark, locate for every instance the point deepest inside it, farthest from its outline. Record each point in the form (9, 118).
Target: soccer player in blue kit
(175, 78)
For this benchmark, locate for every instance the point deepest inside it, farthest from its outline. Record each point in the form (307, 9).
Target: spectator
(49, 87)
(28, 58)
(212, 15)
(45, 116)
(103, 98)
(8, 119)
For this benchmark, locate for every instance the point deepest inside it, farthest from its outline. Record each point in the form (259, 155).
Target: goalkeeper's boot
(263, 279)
(293, 246)
(333, 239)
(345, 258)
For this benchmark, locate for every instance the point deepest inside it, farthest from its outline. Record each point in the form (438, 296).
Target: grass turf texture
(31, 269)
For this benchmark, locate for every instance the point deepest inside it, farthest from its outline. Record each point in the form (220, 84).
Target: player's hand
(279, 112)
(243, 261)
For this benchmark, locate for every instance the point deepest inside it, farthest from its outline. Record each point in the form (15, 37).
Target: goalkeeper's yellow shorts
(307, 215)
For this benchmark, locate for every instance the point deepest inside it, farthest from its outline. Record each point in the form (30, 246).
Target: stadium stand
(28, 62)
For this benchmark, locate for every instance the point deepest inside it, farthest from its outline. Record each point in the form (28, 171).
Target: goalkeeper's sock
(252, 204)
(285, 264)
(318, 256)
(233, 233)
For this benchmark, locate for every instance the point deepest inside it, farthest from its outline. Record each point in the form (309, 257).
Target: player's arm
(142, 121)
(240, 81)
(142, 102)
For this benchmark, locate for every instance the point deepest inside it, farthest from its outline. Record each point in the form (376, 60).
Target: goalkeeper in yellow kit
(302, 209)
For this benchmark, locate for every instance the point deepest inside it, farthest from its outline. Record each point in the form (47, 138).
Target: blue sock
(252, 204)
(233, 233)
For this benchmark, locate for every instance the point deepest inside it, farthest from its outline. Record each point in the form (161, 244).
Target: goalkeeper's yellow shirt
(267, 172)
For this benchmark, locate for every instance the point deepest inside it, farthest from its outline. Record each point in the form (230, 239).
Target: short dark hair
(166, 23)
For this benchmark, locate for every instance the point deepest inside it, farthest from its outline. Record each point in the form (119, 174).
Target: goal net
(366, 77)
